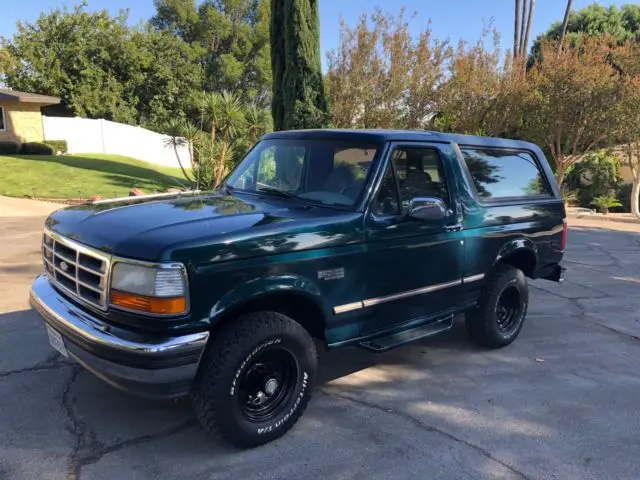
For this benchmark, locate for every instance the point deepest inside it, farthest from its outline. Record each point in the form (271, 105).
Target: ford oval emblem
(64, 266)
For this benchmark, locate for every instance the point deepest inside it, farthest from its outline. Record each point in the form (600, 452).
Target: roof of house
(23, 97)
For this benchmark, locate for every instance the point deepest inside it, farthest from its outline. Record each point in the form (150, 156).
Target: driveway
(561, 402)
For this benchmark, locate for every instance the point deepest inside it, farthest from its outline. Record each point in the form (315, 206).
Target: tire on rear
(216, 388)
(483, 323)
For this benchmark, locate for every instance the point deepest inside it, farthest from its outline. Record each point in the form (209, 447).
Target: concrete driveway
(562, 402)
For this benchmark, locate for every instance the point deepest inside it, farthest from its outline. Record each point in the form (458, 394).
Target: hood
(166, 228)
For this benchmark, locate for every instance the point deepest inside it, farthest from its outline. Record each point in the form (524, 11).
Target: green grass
(82, 175)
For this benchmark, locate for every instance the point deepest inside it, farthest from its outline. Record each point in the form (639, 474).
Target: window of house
(419, 173)
(505, 174)
(3, 121)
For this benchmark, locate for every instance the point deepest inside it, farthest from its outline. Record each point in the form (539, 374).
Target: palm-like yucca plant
(605, 202)
(175, 129)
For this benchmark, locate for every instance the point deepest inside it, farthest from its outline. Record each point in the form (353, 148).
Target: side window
(420, 174)
(504, 174)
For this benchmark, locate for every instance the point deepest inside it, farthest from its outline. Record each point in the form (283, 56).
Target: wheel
(255, 379)
(501, 310)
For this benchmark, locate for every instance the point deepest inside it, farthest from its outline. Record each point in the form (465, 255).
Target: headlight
(156, 290)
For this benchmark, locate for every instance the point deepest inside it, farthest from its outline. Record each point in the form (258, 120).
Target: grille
(80, 271)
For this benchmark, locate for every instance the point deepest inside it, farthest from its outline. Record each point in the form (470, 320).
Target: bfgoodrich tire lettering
(235, 362)
(501, 310)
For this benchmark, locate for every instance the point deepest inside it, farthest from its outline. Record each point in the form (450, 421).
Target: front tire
(255, 379)
(501, 310)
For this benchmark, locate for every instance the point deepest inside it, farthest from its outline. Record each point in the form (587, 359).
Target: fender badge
(334, 274)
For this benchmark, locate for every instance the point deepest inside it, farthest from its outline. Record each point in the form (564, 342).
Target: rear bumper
(151, 366)
(555, 273)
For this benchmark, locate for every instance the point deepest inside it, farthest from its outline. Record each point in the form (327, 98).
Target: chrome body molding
(410, 293)
(473, 278)
(397, 296)
(347, 308)
(143, 363)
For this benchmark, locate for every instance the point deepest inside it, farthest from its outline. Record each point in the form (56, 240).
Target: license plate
(56, 341)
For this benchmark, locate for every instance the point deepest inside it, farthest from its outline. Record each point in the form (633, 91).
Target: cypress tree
(298, 91)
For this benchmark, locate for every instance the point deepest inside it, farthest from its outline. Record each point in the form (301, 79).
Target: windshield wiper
(279, 192)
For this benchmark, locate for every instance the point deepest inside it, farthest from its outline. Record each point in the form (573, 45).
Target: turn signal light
(153, 305)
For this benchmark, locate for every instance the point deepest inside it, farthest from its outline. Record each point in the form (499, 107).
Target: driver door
(414, 266)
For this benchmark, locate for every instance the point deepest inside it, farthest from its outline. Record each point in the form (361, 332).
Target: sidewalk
(22, 207)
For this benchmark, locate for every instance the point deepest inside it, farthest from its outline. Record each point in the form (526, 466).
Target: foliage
(624, 196)
(80, 176)
(8, 147)
(298, 89)
(379, 77)
(598, 175)
(605, 202)
(231, 38)
(595, 20)
(57, 145)
(35, 148)
(573, 108)
(227, 129)
(100, 68)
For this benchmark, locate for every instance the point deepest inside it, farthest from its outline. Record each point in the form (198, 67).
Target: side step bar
(387, 342)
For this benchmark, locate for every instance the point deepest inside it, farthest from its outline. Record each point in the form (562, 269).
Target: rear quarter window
(500, 174)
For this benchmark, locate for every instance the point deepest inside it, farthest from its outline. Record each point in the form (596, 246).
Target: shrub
(8, 147)
(57, 145)
(597, 175)
(36, 148)
(605, 202)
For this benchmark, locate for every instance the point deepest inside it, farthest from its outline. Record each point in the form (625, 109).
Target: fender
(514, 246)
(264, 286)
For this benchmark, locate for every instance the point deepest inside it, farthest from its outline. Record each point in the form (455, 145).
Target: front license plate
(56, 341)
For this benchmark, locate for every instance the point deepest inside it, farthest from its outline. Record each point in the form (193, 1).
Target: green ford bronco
(368, 238)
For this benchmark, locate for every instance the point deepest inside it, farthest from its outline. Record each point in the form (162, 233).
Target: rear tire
(255, 379)
(502, 308)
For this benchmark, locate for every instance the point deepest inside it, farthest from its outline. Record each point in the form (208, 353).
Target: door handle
(453, 228)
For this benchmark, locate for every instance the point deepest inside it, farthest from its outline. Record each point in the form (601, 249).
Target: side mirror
(427, 208)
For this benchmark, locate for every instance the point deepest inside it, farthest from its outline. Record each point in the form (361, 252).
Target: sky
(452, 19)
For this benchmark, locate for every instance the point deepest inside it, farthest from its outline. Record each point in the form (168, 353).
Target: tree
(522, 26)
(621, 24)
(381, 77)
(573, 108)
(298, 88)
(232, 38)
(565, 21)
(100, 68)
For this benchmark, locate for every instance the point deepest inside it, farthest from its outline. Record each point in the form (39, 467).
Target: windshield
(326, 172)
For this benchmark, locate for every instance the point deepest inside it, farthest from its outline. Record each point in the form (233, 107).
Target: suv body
(355, 237)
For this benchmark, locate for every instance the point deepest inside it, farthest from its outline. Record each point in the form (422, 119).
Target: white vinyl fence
(84, 135)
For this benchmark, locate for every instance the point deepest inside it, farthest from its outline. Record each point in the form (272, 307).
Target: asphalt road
(560, 403)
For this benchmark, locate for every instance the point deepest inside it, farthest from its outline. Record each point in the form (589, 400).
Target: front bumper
(144, 364)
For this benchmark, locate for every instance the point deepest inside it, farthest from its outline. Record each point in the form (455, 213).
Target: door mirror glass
(427, 208)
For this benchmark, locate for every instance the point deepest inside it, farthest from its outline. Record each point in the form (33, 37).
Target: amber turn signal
(153, 305)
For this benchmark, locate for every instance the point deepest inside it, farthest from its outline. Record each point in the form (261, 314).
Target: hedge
(57, 145)
(8, 147)
(35, 148)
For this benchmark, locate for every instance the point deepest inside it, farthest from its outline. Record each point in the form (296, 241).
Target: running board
(382, 344)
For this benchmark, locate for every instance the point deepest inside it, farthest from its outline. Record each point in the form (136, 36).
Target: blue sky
(453, 19)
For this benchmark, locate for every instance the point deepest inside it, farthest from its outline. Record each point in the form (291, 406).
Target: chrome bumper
(144, 364)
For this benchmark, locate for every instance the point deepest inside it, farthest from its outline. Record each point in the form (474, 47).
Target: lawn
(82, 175)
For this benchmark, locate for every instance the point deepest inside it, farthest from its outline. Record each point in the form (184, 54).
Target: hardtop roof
(382, 135)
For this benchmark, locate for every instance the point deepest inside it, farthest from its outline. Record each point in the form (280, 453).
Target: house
(21, 117)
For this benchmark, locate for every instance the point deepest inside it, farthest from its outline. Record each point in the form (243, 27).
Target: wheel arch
(295, 297)
(520, 253)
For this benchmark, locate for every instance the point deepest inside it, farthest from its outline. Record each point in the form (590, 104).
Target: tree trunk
(516, 30)
(565, 21)
(220, 171)
(526, 36)
(635, 196)
(522, 27)
(184, 172)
